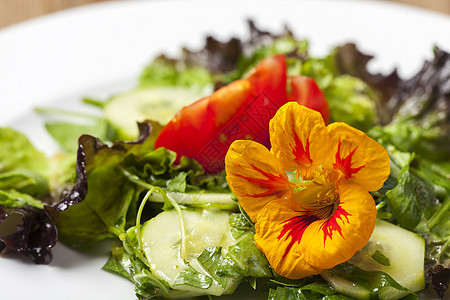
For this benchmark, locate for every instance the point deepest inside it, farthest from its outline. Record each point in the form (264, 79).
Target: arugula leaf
(244, 260)
(355, 282)
(191, 277)
(177, 183)
(286, 293)
(127, 261)
(210, 259)
(113, 265)
(239, 225)
(315, 290)
(409, 198)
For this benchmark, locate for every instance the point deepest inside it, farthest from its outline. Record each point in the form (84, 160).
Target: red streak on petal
(295, 227)
(345, 164)
(301, 153)
(276, 185)
(332, 225)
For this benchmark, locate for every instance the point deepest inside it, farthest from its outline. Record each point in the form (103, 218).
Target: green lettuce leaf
(25, 181)
(103, 211)
(170, 72)
(67, 134)
(13, 198)
(17, 153)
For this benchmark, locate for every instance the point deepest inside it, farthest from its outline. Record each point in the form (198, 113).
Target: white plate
(100, 49)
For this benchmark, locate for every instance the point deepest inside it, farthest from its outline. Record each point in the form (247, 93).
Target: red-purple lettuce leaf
(103, 211)
(35, 234)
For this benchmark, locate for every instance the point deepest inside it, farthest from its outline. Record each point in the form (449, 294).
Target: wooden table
(14, 11)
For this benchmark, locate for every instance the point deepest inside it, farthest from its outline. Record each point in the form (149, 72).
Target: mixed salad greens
(178, 231)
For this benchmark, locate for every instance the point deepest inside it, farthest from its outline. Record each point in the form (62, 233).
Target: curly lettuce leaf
(29, 231)
(164, 71)
(25, 226)
(104, 209)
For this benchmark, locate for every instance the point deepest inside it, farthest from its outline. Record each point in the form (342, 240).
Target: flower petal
(255, 176)
(279, 230)
(298, 245)
(357, 157)
(329, 243)
(298, 135)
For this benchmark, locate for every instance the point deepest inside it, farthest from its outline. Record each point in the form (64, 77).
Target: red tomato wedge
(205, 129)
(240, 110)
(306, 92)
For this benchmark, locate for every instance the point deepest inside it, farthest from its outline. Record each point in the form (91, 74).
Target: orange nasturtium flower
(320, 216)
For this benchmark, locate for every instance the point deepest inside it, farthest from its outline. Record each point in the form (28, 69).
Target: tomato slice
(240, 110)
(306, 92)
(205, 129)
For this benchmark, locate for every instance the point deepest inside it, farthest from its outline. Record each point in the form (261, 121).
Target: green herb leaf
(240, 225)
(177, 183)
(244, 260)
(355, 282)
(191, 277)
(409, 197)
(210, 259)
(381, 258)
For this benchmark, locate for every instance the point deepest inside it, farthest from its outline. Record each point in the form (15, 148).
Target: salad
(176, 193)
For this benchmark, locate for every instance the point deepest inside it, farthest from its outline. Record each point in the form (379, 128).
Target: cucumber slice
(393, 250)
(158, 104)
(404, 249)
(204, 228)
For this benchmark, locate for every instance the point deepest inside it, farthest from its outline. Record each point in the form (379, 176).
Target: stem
(380, 205)
(94, 102)
(183, 252)
(115, 230)
(437, 216)
(63, 112)
(443, 250)
(135, 179)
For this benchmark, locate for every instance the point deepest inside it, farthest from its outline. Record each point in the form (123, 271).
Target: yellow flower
(322, 215)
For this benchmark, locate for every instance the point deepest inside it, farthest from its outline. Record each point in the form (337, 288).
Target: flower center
(318, 195)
